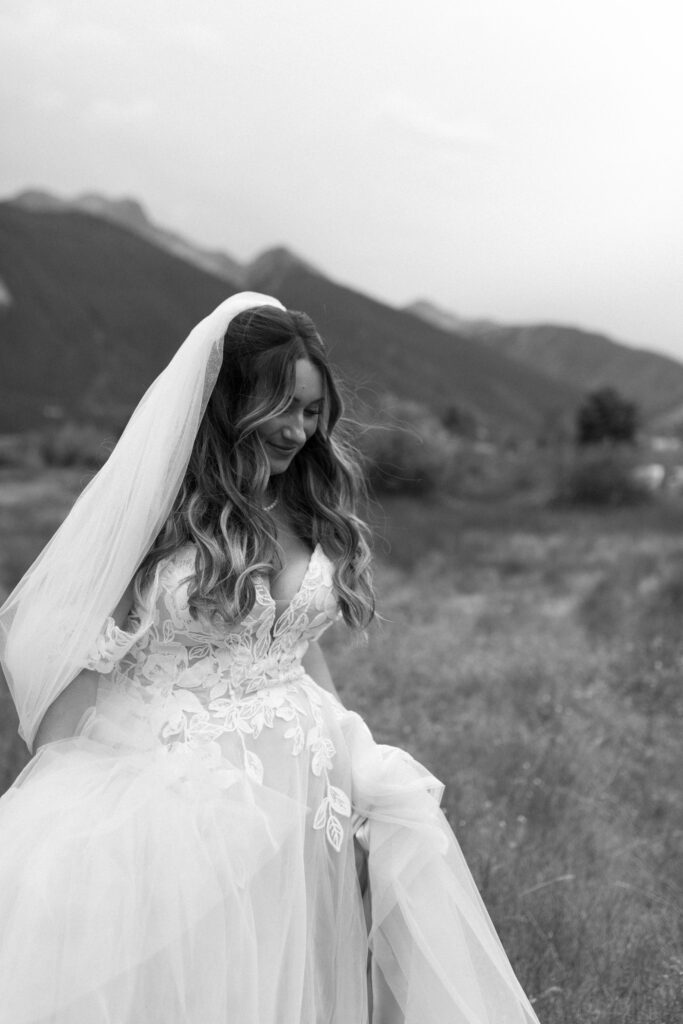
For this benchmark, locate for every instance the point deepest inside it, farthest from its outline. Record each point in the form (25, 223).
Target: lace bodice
(196, 684)
(163, 641)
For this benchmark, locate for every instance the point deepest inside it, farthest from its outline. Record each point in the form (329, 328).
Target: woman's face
(285, 434)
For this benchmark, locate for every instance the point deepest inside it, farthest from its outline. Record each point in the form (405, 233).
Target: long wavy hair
(219, 507)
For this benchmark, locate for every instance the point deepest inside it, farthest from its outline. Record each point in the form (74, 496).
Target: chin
(278, 466)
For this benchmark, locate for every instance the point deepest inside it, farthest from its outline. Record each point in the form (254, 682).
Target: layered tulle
(435, 954)
(158, 885)
(145, 884)
(129, 882)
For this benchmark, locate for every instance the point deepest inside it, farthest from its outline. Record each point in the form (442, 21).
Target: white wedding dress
(188, 857)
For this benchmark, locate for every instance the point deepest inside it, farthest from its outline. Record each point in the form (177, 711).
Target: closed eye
(314, 409)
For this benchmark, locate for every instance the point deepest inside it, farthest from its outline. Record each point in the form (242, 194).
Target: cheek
(267, 430)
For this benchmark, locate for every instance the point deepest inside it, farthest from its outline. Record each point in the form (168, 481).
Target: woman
(183, 845)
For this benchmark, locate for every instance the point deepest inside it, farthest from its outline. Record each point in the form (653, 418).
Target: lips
(283, 451)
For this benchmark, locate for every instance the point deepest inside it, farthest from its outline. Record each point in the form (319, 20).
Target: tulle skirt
(147, 884)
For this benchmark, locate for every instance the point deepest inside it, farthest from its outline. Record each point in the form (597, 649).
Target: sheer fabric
(83, 572)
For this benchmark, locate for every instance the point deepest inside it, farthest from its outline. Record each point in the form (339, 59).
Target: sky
(519, 160)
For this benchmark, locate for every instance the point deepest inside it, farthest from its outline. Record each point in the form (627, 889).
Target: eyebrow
(310, 401)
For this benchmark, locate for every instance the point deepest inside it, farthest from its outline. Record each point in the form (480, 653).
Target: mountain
(584, 359)
(92, 313)
(273, 266)
(130, 214)
(446, 320)
(378, 346)
(93, 310)
(65, 314)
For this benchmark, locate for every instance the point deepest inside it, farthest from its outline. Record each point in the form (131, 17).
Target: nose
(293, 431)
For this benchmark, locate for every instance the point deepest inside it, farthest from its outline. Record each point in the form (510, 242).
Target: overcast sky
(514, 159)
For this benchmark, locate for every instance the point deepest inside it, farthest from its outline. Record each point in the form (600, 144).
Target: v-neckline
(279, 616)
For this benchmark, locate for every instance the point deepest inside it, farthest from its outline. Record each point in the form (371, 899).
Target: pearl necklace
(269, 508)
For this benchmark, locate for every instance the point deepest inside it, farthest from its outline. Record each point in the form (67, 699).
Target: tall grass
(535, 668)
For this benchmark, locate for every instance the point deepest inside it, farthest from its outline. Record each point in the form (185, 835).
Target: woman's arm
(62, 717)
(316, 667)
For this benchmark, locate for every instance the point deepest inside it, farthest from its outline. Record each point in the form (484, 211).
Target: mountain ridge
(446, 319)
(131, 214)
(424, 352)
(583, 358)
(96, 310)
(424, 362)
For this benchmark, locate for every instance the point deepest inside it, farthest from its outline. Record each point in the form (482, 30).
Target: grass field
(532, 658)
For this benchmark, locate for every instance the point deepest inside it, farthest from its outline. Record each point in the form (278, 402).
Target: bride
(205, 835)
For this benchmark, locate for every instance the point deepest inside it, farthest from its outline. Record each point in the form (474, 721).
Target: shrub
(605, 415)
(407, 449)
(459, 420)
(602, 477)
(20, 450)
(75, 444)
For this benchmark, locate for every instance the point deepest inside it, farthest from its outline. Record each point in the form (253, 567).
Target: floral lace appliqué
(200, 682)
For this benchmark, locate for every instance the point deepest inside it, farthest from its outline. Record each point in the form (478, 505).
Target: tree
(605, 415)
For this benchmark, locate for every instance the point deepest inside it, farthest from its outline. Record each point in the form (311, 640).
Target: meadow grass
(531, 658)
